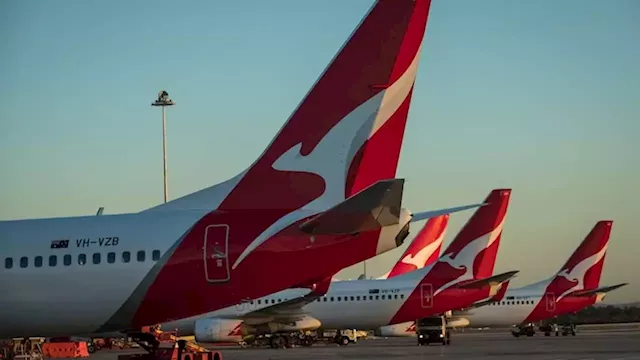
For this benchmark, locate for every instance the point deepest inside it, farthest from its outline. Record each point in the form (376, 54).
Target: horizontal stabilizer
(493, 280)
(430, 214)
(603, 289)
(372, 208)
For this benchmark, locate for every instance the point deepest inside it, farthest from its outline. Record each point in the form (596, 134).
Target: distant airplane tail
(476, 245)
(584, 268)
(424, 249)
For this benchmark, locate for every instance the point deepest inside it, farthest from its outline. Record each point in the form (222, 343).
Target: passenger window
(111, 257)
(24, 262)
(259, 302)
(351, 298)
(67, 260)
(155, 255)
(382, 297)
(377, 297)
(370, 297)
(401, 296)
(332, 298)
(339, 298)
(126, 257)
(82, 259)
(8, 263)
(395, 296)
(53, 260)
(324, 299)
(37, 261)
(141, 255)
(273, 301)
(96, 258)
(358, 298)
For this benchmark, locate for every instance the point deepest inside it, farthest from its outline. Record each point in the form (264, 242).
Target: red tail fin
(424, 250)
(347, 132)
(585, 264)
(479, 239)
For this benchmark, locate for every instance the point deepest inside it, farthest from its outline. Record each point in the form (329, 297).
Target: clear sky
(541, 96)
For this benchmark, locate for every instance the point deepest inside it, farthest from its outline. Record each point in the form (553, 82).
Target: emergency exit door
(216, 253)
(426, 292)
(550, 302)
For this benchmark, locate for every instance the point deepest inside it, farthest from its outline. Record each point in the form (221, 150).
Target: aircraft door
(550, 302)
(426, 292)
(216, 253)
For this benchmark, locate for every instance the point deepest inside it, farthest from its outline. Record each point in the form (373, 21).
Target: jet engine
(405, 329)
(306, 323)
(218, 330)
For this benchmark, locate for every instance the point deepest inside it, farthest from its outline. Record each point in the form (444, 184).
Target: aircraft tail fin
(586, 263)
(477, 243)
(424, 249)
(346, 134)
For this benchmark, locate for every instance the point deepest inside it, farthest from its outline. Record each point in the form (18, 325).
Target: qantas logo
(420, 259)
(577, 273)
(411, 328)
(237, 331)
(465, 258)
(332, 156)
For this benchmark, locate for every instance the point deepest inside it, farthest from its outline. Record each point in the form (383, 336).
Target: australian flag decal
(59, 244)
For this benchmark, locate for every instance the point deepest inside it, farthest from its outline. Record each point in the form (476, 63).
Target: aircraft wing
(289, 310)
(285, 311)
(372, 208)
(603, 289)
(493, 280)
(497, 297)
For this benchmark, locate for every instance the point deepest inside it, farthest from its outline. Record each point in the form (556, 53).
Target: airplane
(574, 287)
(324, 188)
(457, 279)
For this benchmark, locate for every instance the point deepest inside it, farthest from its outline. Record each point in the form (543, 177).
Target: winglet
(372, 208)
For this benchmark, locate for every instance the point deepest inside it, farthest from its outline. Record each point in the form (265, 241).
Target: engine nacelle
(218, 330)
(405, 329)
(307, 323)
(457, 322)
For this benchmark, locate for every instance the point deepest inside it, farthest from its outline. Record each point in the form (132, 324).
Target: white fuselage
(75, 290)
(360, 304)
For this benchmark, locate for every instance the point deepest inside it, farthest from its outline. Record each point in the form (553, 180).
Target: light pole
(164, 101)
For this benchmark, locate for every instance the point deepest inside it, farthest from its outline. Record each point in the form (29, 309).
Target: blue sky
(540, 96)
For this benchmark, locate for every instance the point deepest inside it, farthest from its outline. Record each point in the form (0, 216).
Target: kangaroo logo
(577, 273)
(331, 157)
(464, 259)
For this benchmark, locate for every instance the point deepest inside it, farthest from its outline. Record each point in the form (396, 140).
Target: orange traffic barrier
(65, 349)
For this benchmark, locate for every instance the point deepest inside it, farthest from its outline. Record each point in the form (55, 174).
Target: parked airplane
(318, 199)
(459, 278)
(428, 255)
(574, 287)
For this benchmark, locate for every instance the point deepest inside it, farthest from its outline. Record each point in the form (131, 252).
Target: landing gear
(527, 330)
(278, 341)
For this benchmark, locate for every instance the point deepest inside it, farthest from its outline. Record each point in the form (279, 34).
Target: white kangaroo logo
(332, 156)
(464, 259)
(418, 260)
(578, 272)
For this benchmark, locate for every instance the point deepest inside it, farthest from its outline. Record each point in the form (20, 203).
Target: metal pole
(164, 152)
(365, 269)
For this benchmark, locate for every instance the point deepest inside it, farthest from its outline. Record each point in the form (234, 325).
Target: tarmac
(587, 345)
